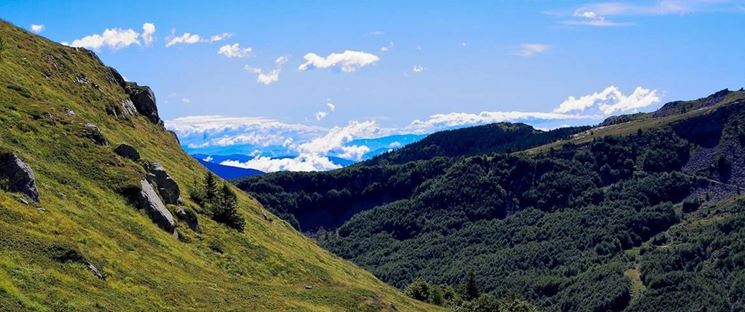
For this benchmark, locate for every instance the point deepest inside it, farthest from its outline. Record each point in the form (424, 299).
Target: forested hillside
(491, 138)
(639, 214)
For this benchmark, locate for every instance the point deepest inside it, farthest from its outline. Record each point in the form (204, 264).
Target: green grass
(267, 267)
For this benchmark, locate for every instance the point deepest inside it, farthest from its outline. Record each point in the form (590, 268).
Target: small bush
(217, 246)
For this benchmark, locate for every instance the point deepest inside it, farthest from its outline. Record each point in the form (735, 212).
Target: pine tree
(470, 290)
(210, 187)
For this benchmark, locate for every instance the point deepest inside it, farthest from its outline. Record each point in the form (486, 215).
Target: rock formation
(143, 99)
(92, 132)
(127, 151)
(167, 187)
(148, 200)
(189, 216)
(17, 176)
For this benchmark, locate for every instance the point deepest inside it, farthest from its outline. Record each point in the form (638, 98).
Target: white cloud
(353, 152)
(610, 100)
(452, 120)
(189, 38)
(216, 124)
(376, 33)
(321, 115)
(348, 60)
(185, 100)
(387, 47)
(268, 77)
(234, 50)
(148, 29)
(418, 68)
(530, 49)
(114, 38)
(37, 28)
(208, 159)
(596, 14)
(331, 106)
(300, 163)
(185, 38)
(337, 136)
(585, 17)
(220, 37)
(264, 77)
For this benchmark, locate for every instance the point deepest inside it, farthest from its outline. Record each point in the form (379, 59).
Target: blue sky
(441, 63)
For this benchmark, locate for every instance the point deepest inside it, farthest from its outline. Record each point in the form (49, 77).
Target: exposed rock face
(189, 216)
(18, 175)
(167, 187)
(115, 77)
(143, 99)
(127, 151)
(148, 199)
(92, 132)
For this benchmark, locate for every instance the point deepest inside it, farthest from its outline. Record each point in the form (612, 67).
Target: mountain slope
(491, 138)
(85, 246)
(581, 224)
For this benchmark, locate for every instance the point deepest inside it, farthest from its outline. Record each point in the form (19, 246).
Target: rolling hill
(98, 212)
(642, 213)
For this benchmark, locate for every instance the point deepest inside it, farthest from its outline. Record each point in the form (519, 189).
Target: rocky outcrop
(123, 109)
(92, 132)
(148, 200)
(17, 176)
(115, 77)
(127, 151)
(189, 216)
(167, 187)
(143, 99)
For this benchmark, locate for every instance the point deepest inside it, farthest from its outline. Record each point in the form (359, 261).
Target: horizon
(316, 81)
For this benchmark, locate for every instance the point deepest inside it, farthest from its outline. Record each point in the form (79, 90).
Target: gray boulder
(149, 201)
(127, 108)
(189, 216)
(167, 187)
(143, 99)
(122, 109)
(17, 176)
(92, 132)
(127, 151)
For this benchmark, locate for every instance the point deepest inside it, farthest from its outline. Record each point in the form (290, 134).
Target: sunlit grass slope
(269, 266)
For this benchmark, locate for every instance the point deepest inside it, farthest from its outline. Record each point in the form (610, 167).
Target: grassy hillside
(48, 93)
(610, 219)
